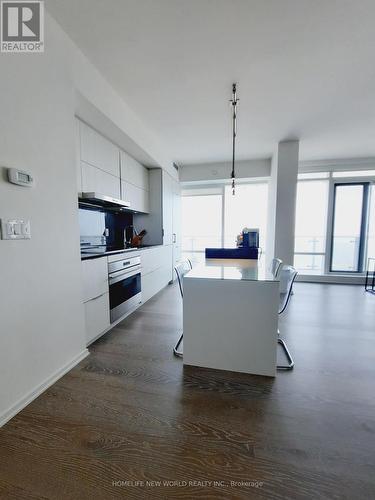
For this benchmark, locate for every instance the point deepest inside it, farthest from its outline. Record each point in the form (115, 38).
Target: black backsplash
(94, 221)
(117, 223)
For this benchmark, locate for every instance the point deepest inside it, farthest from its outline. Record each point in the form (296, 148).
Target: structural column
(282, 202)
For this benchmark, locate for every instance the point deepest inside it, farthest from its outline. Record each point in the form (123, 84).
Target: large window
(201, 223)
(206, 224)
(335, 222)
(248, 208)
(350, 202)
(311, 226)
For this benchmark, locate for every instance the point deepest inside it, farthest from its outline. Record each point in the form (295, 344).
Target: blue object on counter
(232, 253)
(251, 239)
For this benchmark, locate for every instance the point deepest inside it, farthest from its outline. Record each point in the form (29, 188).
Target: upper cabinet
(99, 151)
(95, 180)
(135, 173)
(135, 183)
(98, 159)
(103, 168)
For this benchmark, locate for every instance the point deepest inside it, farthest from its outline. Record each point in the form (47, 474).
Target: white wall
(220, 171)
(282, 202)
(42, 325)
(271, 212)
(42, 322)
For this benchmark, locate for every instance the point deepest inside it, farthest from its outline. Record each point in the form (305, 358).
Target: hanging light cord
(234, 102)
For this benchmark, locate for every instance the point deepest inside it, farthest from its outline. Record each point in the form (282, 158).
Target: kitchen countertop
(231, 269)
(87, 256)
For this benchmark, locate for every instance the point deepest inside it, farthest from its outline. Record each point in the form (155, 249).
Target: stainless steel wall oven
(124, 278)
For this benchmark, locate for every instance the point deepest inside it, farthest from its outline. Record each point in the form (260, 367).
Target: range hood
(103, 200)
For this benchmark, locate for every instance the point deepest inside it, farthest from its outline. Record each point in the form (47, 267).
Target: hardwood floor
(130, 413)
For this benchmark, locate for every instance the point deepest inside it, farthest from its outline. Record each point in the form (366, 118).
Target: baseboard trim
(338, 279)
(23, 402)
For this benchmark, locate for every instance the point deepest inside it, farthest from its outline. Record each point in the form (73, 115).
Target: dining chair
(275, 267)
(181, 269)
(288, 275)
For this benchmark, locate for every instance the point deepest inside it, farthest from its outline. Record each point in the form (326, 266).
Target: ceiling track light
(234, 102)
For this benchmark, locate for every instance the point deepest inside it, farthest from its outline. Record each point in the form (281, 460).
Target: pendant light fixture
(234, 102)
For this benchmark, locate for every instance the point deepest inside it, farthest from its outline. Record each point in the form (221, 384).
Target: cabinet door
(94, 277)
(95, 180)
(133, 172)
(109, 184)
(99, 151)
(96, 317)
(176, 223)
(158, 272)
(138, 198)
(167, 189)
(78, 155)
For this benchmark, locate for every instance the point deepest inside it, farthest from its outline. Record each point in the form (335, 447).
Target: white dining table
(230, 316)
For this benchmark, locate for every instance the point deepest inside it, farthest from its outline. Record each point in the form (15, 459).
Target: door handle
(174, 238)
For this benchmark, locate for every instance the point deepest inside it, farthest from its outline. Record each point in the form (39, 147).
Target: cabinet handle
(174, 237)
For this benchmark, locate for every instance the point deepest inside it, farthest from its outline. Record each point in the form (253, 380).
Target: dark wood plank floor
(130, 413)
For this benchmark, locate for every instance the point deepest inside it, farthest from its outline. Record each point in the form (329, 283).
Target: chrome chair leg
(290, 364)
(176, 352)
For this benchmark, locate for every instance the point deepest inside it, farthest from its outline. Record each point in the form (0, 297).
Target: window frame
(333, 180)
(203, 191)
(326, 178)
(214, 190)
(364, 225)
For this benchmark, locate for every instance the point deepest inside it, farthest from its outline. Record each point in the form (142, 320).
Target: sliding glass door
(350, 207)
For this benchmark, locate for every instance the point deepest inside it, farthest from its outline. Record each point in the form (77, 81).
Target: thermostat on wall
(20, 177)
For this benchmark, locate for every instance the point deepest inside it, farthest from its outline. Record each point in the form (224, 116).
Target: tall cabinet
(176, 223)
(163, 224)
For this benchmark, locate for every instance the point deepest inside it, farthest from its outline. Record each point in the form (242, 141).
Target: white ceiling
(305, 69)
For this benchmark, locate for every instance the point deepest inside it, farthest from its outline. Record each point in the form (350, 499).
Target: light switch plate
(15, 229)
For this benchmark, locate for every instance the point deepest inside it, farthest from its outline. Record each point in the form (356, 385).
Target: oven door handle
(123, 275)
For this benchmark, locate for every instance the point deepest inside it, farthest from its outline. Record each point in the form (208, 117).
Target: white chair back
(181, 269)
(287, 276)
(276, 267)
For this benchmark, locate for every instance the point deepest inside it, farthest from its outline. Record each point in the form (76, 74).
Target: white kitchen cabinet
(99, 151)
(138, 198)
(159, 224)
(135, 183)
(167, 204)
(94, 278)
(176, 223)
(156, 270)
(153, 283)
(133, 172)
(78, 155)
(96, 180)
(154, 258)
(95, 295)
(96, 317)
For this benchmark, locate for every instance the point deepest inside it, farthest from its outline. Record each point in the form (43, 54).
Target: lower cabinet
(156, 270)
(156, 273)
(96, 316)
